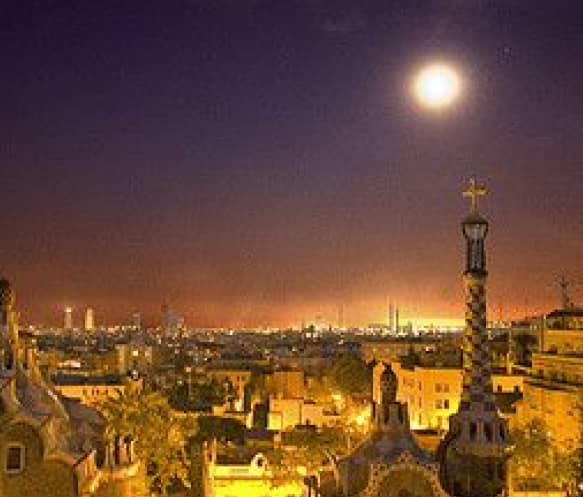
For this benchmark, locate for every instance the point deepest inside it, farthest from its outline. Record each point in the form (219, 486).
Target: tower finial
(474, 191)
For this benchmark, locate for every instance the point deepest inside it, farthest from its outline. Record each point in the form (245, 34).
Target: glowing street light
(437, 86)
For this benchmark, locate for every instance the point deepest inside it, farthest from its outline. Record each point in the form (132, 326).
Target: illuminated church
(472, 458)
(51, 446)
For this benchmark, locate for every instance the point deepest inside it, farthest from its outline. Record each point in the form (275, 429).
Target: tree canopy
(220, 428)
(198, 396)
(307, 447)
(350, 375)
(536, 464)
(160, 437)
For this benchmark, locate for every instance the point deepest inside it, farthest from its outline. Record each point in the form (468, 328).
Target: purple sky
(259, 162)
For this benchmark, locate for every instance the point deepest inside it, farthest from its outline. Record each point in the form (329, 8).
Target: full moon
(437, 86)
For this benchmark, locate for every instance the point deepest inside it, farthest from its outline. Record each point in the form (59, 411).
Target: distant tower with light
(68, 319)
(89, 319)
(393, 317)
(475, 451)
(136, 321)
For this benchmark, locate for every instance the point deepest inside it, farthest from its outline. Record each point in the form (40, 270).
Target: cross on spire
(474, 191)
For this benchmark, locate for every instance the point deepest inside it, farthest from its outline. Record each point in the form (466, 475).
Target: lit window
(14, 458)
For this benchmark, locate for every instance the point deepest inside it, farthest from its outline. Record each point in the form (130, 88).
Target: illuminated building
(91, 390)
(135, 356)
(286, 384)
(433, 393)
(563, 331)
(288, 405)
(286, 414)
(569, 318)
(474, 453)
(242, 472)
(553, 394)
(89, 319)
(68, 319)
(49, 445)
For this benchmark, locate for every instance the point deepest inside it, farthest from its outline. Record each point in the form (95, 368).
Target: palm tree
(160, 437)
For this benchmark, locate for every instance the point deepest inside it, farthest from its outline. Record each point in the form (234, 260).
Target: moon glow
(437, 86)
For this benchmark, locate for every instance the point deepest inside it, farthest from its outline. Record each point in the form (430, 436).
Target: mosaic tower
(475, 451)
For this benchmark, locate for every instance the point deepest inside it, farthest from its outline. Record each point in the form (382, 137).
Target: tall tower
(474, 453)
(68, 319)
(89, 319)
(136, 321)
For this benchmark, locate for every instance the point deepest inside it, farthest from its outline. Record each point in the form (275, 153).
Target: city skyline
(172, 155)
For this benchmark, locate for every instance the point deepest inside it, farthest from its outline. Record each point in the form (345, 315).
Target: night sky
(259, 162)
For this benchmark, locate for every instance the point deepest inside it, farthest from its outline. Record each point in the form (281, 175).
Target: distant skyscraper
(393, 318)
(68, 320)
(171, 320)
(89, 319)
(136, 321)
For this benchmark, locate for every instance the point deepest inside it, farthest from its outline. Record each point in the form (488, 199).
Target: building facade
(51, 446)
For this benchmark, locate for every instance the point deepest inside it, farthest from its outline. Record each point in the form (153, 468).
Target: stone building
(433, 393)
(51, 446)
(244, 472)
(552, 394)
(92, 390)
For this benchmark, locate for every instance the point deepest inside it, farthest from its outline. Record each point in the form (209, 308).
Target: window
(446, 403)
(14, 458)
(441, 387)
